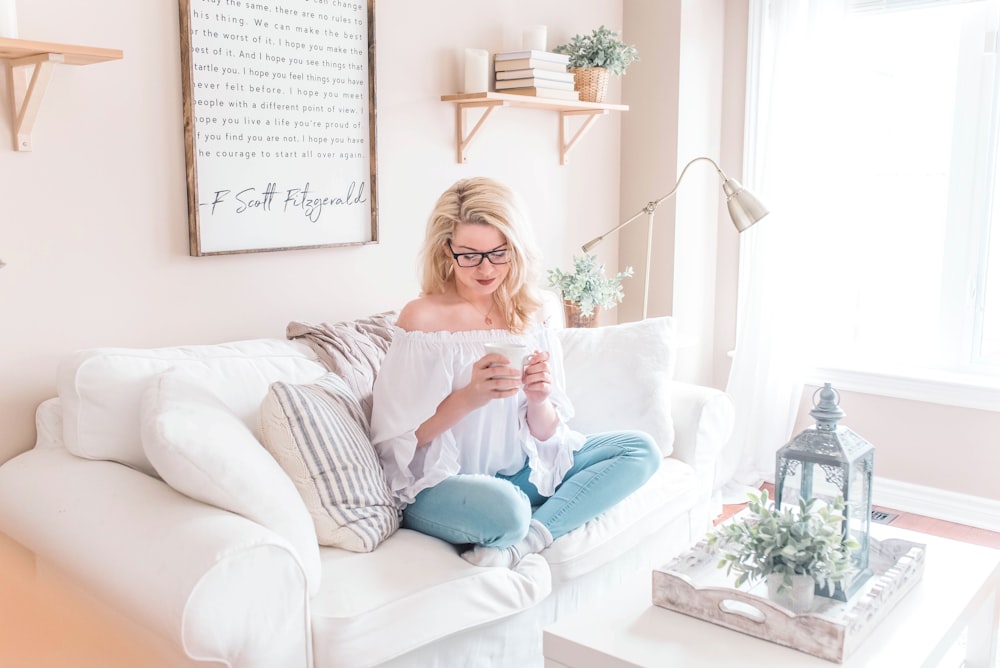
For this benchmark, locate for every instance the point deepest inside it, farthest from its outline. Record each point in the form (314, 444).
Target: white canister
(8, 19)
(477, 71)
(534, 38)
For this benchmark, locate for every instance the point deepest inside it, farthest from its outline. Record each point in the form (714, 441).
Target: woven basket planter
(574, 318)
(591, 82)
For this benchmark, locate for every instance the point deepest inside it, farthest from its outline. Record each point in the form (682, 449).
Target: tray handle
(731, 606)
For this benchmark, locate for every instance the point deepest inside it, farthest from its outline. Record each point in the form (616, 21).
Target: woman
(477, 450)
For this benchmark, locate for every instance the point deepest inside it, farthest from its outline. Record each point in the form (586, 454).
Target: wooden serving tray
(832, 630)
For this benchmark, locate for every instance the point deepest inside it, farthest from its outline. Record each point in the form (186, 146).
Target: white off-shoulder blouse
(420, 370)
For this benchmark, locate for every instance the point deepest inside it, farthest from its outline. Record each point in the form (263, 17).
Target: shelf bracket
(465, 138)
(27, 91)
(566, 146)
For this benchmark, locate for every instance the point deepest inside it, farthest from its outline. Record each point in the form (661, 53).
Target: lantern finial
(827, 411)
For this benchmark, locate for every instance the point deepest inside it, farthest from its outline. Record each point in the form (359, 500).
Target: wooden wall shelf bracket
(29, 69)
(464, 136)
(566, 146)
(27, 91)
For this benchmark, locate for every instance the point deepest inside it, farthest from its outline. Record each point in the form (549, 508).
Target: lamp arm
(593, 242)
(651, 206)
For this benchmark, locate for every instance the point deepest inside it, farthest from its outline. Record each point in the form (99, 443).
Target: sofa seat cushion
(671, 492)
(101, 388)
(411, 591)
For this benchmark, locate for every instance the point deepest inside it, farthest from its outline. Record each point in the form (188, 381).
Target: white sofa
(248, 588)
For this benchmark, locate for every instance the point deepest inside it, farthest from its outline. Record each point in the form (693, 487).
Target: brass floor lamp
(744, 210)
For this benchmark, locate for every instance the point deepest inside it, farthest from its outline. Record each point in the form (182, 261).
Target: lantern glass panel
(859, 508)
(812, 466)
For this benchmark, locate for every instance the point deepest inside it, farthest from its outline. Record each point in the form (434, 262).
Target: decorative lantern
(827, 461)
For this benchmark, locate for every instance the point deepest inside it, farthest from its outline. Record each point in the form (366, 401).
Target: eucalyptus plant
(601, 48)
(797, 540)
(587, 285)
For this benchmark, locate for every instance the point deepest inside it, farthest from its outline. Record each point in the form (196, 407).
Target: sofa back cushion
(100, 389)
(618, 377)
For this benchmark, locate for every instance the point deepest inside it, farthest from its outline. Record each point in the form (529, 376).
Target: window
(884, 149)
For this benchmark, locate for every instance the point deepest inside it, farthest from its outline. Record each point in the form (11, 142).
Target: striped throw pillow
(318, 433)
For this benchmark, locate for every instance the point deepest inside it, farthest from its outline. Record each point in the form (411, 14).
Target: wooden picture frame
(279, 124)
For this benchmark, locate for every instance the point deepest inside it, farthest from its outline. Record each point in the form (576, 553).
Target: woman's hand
(537, 378)
(542, 417)
(492, 378)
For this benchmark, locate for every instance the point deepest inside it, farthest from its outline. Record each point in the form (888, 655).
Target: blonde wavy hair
(484, 201)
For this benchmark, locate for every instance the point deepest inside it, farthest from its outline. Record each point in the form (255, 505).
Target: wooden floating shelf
(29, 68)
(487, 102)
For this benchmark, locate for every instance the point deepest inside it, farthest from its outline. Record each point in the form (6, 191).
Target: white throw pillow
(204, 450)
(618, 377)
(319, 435)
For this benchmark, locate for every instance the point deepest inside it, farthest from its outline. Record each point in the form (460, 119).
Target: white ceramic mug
(517, 353)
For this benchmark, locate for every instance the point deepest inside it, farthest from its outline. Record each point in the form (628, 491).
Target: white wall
(94, 228)
(919, 443)
(94, 223)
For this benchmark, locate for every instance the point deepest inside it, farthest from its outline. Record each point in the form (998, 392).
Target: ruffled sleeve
(552, 458)
(413, 380)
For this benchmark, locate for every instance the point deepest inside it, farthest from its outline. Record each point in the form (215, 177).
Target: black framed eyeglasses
(499, 256)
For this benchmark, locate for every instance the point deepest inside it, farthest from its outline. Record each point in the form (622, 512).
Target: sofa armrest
(703, 421)
(216, 585)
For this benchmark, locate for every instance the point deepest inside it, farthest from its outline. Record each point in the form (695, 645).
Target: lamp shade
(744, 208)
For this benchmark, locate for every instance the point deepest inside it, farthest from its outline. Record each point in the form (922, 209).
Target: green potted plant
(594, 57)
(587, 288)
(797, 549)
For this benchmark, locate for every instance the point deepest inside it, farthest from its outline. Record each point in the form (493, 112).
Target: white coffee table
(959, 590)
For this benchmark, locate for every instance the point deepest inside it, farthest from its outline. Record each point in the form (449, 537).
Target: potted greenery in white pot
(586, 289)
(796, 549)
(594, 58)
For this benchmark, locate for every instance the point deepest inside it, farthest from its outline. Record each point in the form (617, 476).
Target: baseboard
(940, 504)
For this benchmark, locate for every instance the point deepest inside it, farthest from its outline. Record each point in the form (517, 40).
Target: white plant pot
(798, 597)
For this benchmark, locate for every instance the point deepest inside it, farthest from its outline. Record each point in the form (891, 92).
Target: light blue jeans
(496, 511)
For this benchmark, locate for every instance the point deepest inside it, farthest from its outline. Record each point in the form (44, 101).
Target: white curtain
(791, 111)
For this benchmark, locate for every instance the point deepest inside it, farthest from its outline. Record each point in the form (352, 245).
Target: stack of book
(538, 73)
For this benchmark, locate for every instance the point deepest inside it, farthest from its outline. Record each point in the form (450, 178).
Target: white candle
(533, 38)
(8, 19)
(477, 69)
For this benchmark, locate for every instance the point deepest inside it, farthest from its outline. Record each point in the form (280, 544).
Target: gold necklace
(486, 316)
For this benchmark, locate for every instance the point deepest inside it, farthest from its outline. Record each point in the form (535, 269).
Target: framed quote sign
(279, 124)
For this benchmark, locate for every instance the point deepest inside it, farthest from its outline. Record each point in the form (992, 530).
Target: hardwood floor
(920, 523)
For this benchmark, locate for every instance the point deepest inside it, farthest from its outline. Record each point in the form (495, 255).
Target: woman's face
(468, 241)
